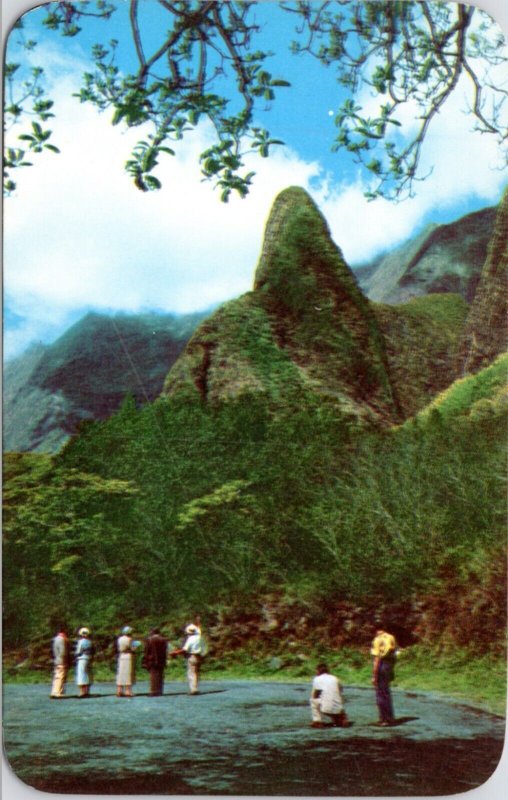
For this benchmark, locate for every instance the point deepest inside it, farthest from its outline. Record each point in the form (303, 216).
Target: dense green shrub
(181, 506)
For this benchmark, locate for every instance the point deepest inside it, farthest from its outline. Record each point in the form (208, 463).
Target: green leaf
(211, 166)
(152, 182)
(65, 564)
(118, 115)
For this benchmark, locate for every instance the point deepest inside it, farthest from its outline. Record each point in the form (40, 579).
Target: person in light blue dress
(84, 656)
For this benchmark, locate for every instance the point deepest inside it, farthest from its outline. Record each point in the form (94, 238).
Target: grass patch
(479, 681)
(462, 396)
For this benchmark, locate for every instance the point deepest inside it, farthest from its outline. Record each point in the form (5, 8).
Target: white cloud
(79, 235)
(462, 163)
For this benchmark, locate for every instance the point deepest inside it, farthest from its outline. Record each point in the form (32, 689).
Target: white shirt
(195, 645)
(331, 695)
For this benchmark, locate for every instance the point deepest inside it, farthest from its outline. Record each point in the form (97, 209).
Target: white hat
(126, 630)
(192, 629)
(83, 632)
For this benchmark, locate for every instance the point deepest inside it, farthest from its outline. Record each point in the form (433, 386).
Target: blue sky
(79, 236)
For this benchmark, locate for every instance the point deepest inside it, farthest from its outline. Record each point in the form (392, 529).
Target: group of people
(327, 698)
(156, 651)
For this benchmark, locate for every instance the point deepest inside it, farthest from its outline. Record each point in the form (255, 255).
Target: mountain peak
(306, 319)
(291, 207)
(299, 263)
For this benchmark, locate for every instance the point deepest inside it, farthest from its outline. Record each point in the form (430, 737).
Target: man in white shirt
(194, 649)
(326, 698)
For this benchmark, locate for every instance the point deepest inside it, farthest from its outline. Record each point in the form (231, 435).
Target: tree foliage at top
(208, 65)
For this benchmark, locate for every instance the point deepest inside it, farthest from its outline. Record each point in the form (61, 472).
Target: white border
(12, 788)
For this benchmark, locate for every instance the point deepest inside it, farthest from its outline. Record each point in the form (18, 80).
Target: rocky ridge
(307, 333)
(442, 258)
(486, 332)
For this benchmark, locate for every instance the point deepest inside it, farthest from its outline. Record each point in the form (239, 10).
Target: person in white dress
(84, 657)
(125, 673)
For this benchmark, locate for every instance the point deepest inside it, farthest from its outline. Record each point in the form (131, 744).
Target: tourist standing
(84, 658)
(194, 649)
(154, 660)
(61, 662)
(384, 648)
(126, 663)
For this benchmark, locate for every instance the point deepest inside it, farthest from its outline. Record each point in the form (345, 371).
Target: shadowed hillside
(86, 374)
(486, 332)
(443, 258)
(421, 341)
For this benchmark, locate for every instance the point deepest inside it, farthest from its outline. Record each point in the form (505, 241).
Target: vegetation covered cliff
(310, 450)
(442, 258)
(306, 332)
(486, 332)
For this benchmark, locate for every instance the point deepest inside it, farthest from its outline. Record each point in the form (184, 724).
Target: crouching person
(327, 699)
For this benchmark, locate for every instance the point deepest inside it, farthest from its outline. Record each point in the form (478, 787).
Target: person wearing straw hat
(84, 656)
(194, 649)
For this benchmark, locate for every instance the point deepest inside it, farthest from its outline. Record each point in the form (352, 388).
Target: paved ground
(247, 738)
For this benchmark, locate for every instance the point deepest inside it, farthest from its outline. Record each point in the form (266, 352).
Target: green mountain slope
(486, 332)
(421, 341)
(245, 487)
(86, 374)
(443, 258)
(479, 396)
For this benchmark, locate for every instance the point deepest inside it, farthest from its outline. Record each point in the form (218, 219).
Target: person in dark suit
(154, 660)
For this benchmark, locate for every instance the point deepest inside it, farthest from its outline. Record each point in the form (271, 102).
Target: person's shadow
(100, 696)
(403, 720)
(395, 723)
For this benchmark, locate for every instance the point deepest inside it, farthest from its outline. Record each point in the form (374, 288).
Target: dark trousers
(156, 680)
(383, 693)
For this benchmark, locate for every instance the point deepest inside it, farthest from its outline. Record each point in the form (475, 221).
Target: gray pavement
(241, 737)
